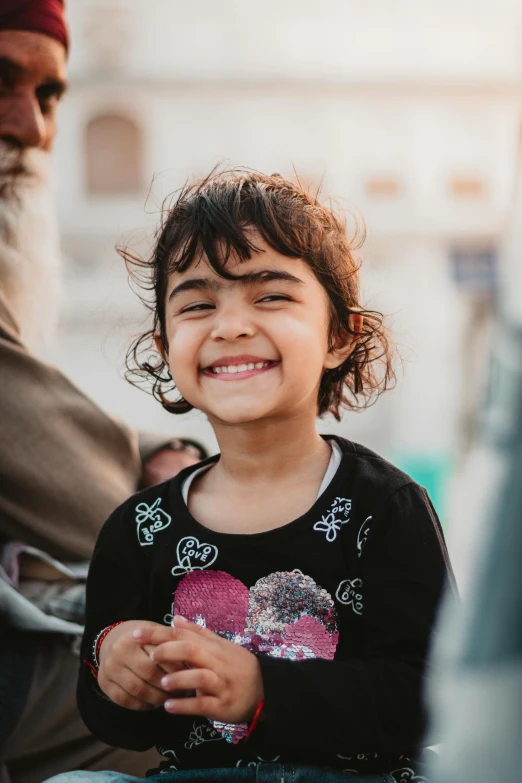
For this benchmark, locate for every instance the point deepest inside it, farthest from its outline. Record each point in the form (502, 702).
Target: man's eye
(47, 105)
(198, 306)
(48, 96)
(7, 79)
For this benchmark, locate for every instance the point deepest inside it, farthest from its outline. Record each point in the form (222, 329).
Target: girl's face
(250, 349)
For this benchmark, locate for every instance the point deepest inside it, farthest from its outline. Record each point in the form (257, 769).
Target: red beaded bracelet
(255, 719)
(92, 668)
(99, 641)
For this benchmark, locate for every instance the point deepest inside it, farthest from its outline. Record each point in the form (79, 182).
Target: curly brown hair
(217, 217)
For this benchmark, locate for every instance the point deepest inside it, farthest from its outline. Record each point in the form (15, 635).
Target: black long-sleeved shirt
(338, 604)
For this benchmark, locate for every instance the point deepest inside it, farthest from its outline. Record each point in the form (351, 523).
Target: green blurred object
(433, 472)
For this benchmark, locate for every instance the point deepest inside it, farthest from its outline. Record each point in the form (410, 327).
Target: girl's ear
(343, 347)
(159, 346)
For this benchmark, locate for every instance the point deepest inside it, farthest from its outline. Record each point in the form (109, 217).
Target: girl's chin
(236, 416)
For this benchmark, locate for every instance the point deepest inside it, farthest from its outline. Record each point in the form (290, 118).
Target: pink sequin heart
(284, 615)
(213, 599)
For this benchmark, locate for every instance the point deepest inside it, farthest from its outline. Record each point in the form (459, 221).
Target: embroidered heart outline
(157, 516)
(187, 549)
(349, 593)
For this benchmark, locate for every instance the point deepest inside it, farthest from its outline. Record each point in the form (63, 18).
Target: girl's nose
(232, 324)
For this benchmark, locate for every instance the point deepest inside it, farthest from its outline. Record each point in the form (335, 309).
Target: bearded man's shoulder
(9, 329)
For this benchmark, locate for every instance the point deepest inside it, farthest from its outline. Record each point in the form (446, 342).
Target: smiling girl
(266, 615)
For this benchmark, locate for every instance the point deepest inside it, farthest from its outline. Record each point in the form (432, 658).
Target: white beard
(30, 255)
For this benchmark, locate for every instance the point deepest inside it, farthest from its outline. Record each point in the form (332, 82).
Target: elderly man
(64, 463)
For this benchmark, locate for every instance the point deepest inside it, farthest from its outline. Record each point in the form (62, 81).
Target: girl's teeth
(233, 368)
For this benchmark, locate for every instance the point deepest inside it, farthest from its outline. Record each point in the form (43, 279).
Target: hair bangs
(221, 222)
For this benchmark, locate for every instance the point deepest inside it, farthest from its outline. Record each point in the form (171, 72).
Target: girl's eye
(198, 306)
(275, 298)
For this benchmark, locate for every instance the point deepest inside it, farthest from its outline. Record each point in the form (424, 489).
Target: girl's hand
(127, 675)
(226, 678)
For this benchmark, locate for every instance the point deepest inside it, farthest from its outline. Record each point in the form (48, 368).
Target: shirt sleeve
(372, 702)
(66, 464)
(117, 589)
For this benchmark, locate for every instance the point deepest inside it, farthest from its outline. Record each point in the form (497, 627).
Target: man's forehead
(35, 55)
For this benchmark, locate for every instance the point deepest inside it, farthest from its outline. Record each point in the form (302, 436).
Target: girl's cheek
(184, 353)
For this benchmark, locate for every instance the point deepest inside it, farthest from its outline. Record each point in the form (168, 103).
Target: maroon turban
(37, 16)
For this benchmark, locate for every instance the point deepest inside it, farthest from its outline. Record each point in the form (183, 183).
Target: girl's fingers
(190, 653)
(193, 680)
(181, 623)
(165, 669)
(207, 706)
(156, 634)
(147, 669)
(120, 696)
(140, 689)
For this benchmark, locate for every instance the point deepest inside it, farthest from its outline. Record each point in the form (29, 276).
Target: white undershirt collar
(331, 470)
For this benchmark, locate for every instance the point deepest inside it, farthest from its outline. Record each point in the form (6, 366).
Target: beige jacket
(64, 463)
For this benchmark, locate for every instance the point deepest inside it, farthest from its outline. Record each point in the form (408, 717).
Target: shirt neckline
(331, 469)
(315, 512)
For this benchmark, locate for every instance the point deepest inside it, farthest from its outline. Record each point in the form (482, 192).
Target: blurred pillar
(426, 412)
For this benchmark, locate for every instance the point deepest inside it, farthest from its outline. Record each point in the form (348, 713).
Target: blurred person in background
(65, 464)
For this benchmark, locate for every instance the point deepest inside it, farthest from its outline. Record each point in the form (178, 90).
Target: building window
(467, 187)
(114, 156)
(383, 187)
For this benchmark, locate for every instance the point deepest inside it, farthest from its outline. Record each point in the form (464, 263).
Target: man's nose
(22, 123)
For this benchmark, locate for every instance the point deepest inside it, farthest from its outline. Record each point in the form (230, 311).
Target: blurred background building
(408, 112)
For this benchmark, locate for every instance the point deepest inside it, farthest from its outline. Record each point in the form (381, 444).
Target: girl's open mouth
(238, 372)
